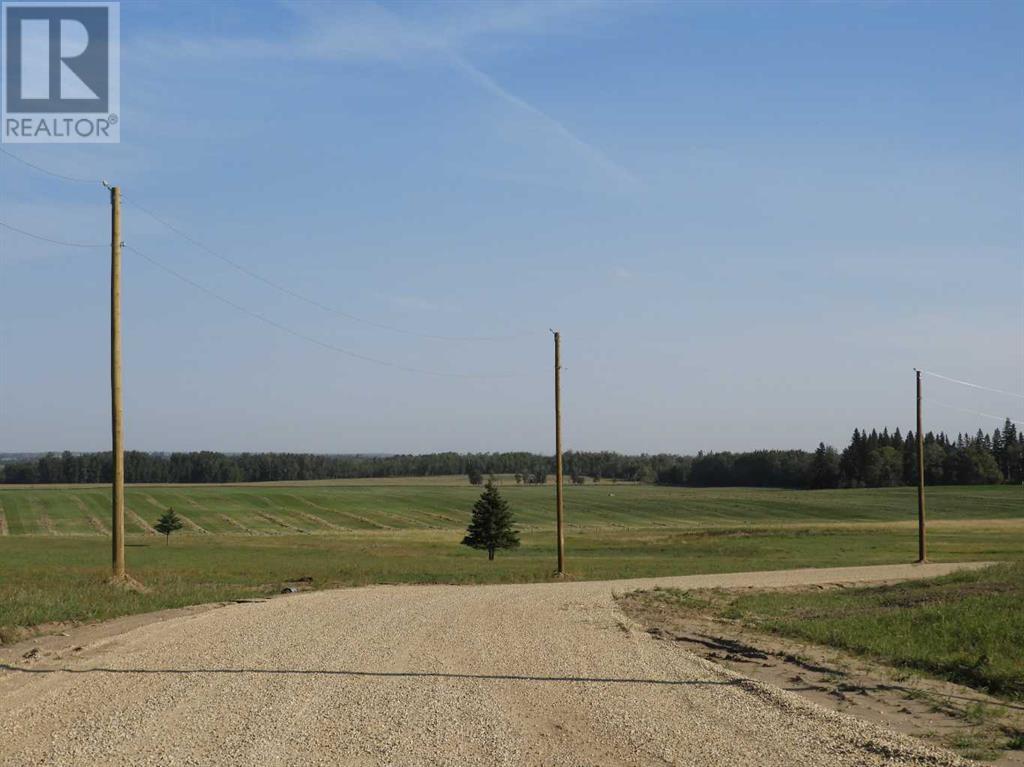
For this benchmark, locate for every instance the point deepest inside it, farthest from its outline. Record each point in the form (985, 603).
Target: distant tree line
(207, 466)
(870, 460)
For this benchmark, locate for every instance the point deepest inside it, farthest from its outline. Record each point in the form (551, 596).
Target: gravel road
(546, 674)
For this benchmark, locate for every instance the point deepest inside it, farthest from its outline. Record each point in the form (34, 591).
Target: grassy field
(319, 508)
(967, 627)
(247, 540)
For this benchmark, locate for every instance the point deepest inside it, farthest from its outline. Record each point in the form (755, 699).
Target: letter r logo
(57, 58)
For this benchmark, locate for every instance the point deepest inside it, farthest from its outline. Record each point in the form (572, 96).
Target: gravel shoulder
(539, 674)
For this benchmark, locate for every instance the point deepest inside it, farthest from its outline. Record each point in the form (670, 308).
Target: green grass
(54, 561)
(967, 627)
(312, 508)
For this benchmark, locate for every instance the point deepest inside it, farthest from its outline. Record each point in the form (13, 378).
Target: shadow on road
(378, 674)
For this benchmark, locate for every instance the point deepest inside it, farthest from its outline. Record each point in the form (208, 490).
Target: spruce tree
(168, 523)
(824, 468)
(491, 526)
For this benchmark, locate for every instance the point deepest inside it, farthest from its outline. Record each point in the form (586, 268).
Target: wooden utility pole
(922, 549)
(558, 454)
(117, 414)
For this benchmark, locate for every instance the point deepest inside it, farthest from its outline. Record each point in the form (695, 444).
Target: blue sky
(750, 221)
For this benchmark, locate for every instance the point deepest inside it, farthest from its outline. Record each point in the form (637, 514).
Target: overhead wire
(973, 385)
(971, 412)
(254, 314)
(74, 179)
(303, 336)
(324, 307)
(304, 298)
(65, 243)
(259, 277)
(355, 318)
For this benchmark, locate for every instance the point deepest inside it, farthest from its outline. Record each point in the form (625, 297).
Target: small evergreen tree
(491, 526)
(475, 476)
(168, 523)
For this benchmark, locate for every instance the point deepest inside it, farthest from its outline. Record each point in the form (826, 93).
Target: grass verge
(967, 627)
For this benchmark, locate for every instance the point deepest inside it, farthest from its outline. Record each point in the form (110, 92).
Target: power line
(972, 412)
(973, 385)
(256, 276)
(306, 299)
(50, 240)
(61, 176)
(303, 336)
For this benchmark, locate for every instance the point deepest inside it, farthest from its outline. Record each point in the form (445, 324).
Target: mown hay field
(249, 540)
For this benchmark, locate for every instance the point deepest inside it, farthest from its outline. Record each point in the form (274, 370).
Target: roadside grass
(967, 627)
(54, 578)
(975, 746)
